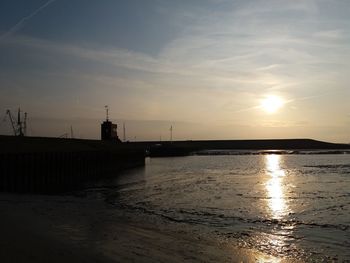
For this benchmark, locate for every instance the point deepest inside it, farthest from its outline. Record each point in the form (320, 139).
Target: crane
(20, 127)
(8, 112)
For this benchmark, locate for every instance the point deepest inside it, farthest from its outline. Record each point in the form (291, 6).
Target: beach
(79, 229)
(233, 208)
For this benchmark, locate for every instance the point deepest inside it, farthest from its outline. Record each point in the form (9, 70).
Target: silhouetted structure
(109, 130)
(54, 165)
(19, 127)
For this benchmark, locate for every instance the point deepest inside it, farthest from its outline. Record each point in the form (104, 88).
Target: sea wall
(60, 169)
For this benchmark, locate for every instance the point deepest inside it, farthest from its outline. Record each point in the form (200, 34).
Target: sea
(286, 204)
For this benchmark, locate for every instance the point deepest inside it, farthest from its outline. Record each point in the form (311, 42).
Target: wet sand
(79, 229)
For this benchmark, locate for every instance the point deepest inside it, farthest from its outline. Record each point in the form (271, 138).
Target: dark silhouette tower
(109, 130)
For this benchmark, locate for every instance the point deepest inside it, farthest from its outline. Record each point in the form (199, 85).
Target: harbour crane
(20, 127)
(8, 112)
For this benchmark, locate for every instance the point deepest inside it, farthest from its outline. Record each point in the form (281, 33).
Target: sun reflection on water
(276, 238)
(265, 259)
(274, 186)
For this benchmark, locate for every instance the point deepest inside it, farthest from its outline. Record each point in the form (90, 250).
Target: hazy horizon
(214, 69)
(146, 130)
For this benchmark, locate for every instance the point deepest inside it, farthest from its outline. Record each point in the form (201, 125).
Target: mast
(19, 123)
(124, 134)
(71, 132)
(25, 124)
(106, 107)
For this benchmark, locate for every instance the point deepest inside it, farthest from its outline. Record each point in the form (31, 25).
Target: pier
(52, 165)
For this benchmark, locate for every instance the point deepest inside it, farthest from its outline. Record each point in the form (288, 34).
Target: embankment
(52, 165)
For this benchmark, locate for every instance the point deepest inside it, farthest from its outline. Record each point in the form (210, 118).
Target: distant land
(272, 144)
(34, 144)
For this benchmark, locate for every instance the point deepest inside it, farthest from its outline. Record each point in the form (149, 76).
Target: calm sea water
(284, 205)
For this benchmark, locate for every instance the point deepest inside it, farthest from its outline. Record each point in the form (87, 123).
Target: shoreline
(74, 229)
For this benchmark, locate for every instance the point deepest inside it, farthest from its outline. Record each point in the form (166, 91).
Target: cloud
(216, 69)
(334, 34)
(14, 29)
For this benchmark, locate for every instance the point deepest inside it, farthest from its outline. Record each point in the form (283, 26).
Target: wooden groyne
(44, 165)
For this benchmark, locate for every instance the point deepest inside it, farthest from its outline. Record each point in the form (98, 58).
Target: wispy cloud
(24, 20)
(218, 67)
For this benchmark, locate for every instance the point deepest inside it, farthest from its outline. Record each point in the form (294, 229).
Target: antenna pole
(25, 124)
(19, 117)
(106, 107)
(71, 132)
(124, 134)
(19, 123)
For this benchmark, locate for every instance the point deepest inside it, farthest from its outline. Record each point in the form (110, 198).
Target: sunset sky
(210, 68)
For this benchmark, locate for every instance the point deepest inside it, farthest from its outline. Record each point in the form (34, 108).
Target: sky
(206, 67)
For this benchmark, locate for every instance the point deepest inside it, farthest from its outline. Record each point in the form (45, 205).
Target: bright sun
(272, 104)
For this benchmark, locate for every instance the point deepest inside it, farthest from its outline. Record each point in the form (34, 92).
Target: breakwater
(49, 165)
(266, 144)
(181, 148)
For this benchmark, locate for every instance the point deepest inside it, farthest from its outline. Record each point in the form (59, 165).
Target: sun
(271, 104)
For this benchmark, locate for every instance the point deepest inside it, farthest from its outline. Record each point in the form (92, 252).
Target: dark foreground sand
(76, 229)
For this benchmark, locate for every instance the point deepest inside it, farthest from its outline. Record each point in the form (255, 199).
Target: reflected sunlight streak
(264, 259)
(274, 186)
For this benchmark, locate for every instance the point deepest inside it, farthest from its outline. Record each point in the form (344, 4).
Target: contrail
(25, 19)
